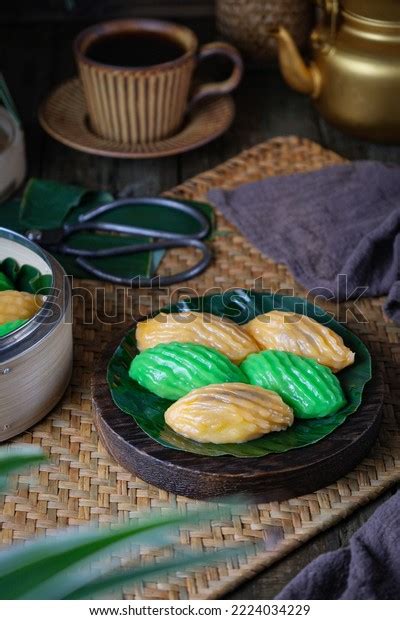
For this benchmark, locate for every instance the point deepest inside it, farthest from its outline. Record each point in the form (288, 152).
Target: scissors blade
(167, 203)
(154, 281)
(124, 229)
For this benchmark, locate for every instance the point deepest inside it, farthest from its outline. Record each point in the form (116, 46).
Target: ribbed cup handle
(226, 86)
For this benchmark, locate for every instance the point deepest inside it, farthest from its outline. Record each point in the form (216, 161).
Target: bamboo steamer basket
(36, 359)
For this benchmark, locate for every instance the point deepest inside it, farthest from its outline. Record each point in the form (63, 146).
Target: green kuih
(310, 388)
(5, 283)
(11, 326)
(174, 369)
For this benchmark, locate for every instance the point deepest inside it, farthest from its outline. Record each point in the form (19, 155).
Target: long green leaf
(18, 457)
(138, 573)
(60, 568)
(25, 568)
(148, 410)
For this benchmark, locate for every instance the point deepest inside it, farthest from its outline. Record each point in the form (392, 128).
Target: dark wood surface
(35, 52)
(274, 477)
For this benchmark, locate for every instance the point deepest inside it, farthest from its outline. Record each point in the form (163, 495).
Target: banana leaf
(147, 409)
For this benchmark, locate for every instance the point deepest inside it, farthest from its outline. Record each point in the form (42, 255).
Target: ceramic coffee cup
(137, 77)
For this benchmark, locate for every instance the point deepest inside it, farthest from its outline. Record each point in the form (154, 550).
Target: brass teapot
(354, 75)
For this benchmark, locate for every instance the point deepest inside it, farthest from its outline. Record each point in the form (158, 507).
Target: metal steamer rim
(52, 312)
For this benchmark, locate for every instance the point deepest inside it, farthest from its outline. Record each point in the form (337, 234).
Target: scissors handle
(56, 240)
(86, 221)
(144, 281)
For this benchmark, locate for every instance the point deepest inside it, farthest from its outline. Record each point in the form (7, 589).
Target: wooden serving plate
(269, 478)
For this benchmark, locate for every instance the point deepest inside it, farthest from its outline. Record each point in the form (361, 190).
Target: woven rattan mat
(83, 484)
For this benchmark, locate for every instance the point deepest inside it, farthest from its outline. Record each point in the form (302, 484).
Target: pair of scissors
(56, 240)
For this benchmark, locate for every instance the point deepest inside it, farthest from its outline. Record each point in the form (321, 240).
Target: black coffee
(130, 49)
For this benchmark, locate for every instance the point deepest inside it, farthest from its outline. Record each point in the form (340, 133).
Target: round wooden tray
(274, 477)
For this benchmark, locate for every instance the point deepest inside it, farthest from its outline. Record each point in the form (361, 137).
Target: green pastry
(11, 326)
(312, 390)
(174, 369)
(5, 283)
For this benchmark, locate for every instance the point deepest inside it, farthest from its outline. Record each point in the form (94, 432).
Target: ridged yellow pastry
(17, 305)
(299, 334)
(228, 413)
(199, 327)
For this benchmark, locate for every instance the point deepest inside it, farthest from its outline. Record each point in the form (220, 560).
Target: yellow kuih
(299, 334)
(228, 413)
(199, 327)
(17, 305)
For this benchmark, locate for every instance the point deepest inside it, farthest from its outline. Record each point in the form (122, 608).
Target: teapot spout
(305, 79)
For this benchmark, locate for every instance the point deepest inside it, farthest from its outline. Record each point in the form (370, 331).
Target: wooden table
(35, 49)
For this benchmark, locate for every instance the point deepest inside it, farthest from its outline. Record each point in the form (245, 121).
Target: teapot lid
(386, 10)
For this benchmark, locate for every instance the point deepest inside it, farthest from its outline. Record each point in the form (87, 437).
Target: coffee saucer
(64, 116)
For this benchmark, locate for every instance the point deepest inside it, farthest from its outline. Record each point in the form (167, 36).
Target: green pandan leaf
(147, 410)
(90, 586)
(60, 568)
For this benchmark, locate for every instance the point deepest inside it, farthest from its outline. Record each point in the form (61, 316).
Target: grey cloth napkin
(343, 219)
(369, 568)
